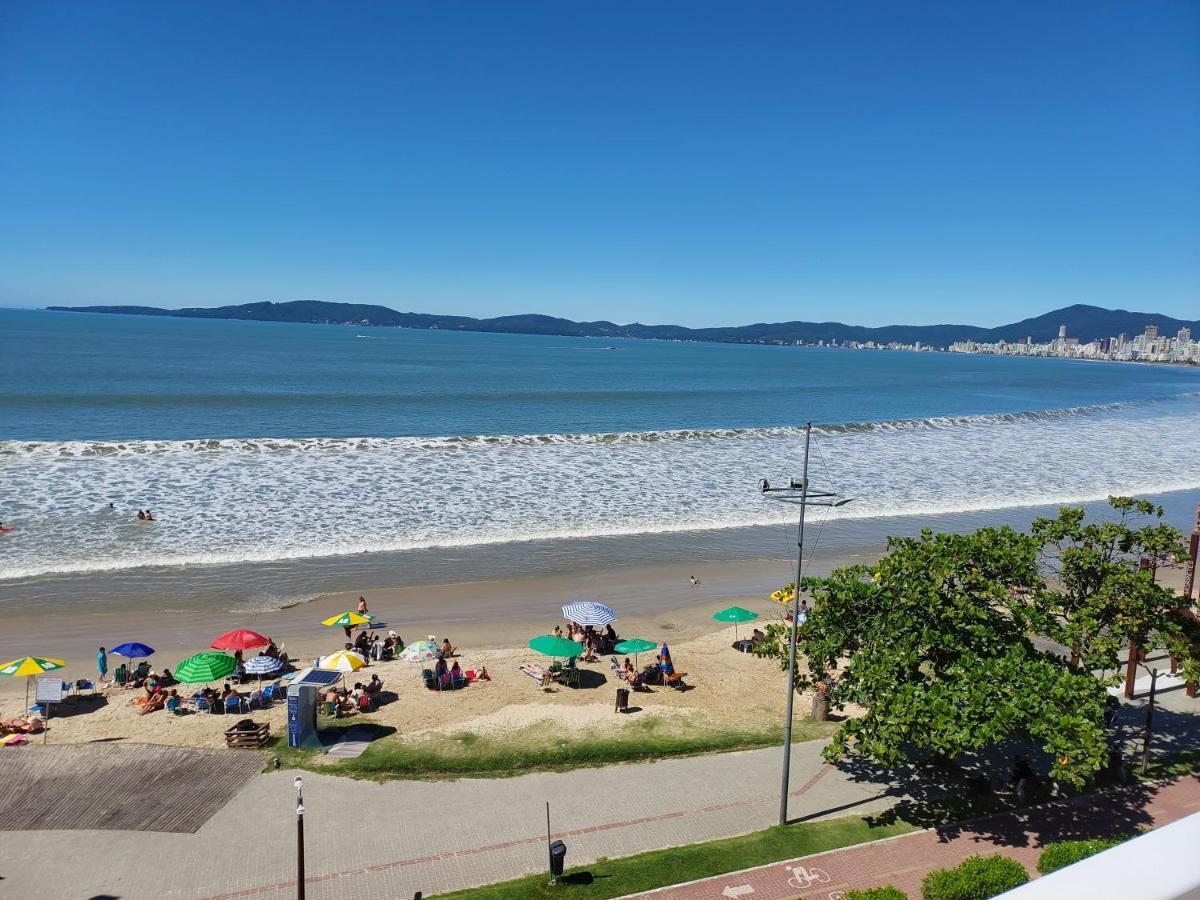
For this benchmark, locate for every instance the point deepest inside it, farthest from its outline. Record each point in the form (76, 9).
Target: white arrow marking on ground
(732, 891)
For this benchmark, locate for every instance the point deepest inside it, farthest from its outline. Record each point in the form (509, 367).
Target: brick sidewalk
(903, 861)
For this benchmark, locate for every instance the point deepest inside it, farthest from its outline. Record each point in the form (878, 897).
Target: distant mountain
(1084, 322)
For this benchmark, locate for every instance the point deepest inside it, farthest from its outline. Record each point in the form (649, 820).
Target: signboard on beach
(49, 690)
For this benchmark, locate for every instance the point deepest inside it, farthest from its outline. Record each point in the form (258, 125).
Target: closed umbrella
(133, 650)
(240, 639)
(735, 614)
(634, 646)
(263, 665)
(204, 667)
(587, 612)
(30, 665)
(342, 661)
(420, 651)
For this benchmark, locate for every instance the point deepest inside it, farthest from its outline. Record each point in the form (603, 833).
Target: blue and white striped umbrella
(263, 665)
(587, 612)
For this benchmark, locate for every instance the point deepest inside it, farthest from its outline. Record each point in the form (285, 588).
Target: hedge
(1064, 853)
(876, 893)
(976, 878)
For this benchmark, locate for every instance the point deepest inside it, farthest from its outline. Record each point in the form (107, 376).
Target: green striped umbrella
(204, 667)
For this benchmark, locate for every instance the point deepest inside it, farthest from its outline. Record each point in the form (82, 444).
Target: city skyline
(687, 163)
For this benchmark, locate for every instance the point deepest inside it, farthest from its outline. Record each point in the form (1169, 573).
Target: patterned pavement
(903, 861)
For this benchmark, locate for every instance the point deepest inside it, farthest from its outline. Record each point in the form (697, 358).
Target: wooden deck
(118, 787)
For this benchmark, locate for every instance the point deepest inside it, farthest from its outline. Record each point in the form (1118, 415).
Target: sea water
(257, 444)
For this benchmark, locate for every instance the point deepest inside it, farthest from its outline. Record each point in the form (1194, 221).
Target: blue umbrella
(133, 650)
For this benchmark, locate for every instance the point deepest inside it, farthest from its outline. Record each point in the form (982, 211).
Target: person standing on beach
(102, 663)
(362, 609)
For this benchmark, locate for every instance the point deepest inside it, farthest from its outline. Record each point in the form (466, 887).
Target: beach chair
(572, 679)
(255, 697)
(234, 703)
(173, 705)
(675, 680)
(199, 701)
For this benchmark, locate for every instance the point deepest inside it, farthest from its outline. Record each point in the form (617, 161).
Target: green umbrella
(735, 614)
(204, 667)
(634, 646)
(550, 645)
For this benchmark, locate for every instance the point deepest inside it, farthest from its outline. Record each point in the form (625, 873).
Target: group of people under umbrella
(590, 632)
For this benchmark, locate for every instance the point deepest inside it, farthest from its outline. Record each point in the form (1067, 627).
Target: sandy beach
(490, 622)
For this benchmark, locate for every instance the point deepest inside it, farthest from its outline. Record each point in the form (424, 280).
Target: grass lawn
(615, 877)
(536, 748)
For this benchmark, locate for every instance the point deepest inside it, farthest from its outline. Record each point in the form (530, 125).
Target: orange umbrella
(240, 639)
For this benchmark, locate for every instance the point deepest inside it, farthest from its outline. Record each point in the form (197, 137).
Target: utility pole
(798, 492)
(298, 783)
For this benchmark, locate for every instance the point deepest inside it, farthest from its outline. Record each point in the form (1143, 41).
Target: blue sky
(699, 163)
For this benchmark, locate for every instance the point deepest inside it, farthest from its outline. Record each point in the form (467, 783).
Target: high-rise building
(1151, 333)
(1062, 332)
(1184, 336)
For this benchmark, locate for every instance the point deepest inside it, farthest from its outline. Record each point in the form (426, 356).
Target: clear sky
(698, 163)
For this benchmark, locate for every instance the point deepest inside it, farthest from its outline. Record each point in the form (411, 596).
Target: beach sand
(490, 623)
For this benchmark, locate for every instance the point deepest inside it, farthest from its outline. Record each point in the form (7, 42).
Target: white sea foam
(222, 501)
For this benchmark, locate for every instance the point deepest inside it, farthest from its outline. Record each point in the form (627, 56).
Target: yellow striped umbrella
(30, 665)
(342, 661)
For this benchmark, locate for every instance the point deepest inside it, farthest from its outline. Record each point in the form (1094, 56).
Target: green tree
(1100, 598)
(934, 644)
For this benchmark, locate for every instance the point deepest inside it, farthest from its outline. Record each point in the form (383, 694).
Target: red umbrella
(240, 639)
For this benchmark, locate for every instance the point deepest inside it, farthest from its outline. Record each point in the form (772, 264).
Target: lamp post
(797, 491)
(299, 785)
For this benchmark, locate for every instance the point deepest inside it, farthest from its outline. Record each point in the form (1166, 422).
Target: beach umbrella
(420, 651)
(587, 612)
(634, 646)
(348, 618)
(204, 667)
(263, 665)
(735, 614)
(342, 661)
(240, 639)
(132, 650)
(549, 645)
(30, 665)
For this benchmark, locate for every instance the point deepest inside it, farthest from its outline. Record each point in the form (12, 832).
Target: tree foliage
(1099, 597)
(934, 645)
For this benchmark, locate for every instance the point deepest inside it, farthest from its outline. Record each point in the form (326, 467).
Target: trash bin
(622, 700)
(558, 856)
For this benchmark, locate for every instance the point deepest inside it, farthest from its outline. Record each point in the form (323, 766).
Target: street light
(298, 783)
(797, 491)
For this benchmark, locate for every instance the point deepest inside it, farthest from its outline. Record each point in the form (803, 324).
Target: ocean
(281, 459)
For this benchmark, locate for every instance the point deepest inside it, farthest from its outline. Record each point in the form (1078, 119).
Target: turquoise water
(95, 377)
(259, 443)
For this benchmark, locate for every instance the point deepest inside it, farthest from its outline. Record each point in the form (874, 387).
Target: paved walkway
(903, 861)
(390, 840)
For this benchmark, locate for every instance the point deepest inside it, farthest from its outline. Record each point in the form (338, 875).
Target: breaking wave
(245, 500)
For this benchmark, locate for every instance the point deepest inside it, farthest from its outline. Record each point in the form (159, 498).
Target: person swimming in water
(141, 516)
(149, 516)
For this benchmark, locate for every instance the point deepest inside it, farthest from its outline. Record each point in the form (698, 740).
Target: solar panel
(320, 677)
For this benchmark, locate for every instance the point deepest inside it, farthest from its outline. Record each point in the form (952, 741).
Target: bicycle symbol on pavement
(803, 878)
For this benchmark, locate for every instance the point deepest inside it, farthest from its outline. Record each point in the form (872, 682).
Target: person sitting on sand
(157, 700)
(558, 631)
(610, 633)
(482, 674)
(757, 635)
(166, 679)
(374, 686)
(694, 580)
(628, 671)
(151, 684)
(271, 651)
(447, 649)
(173, 701)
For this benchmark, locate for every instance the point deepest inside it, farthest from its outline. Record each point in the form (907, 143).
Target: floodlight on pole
(797, 491)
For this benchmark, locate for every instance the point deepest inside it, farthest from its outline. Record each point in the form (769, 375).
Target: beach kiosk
(303, 701)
